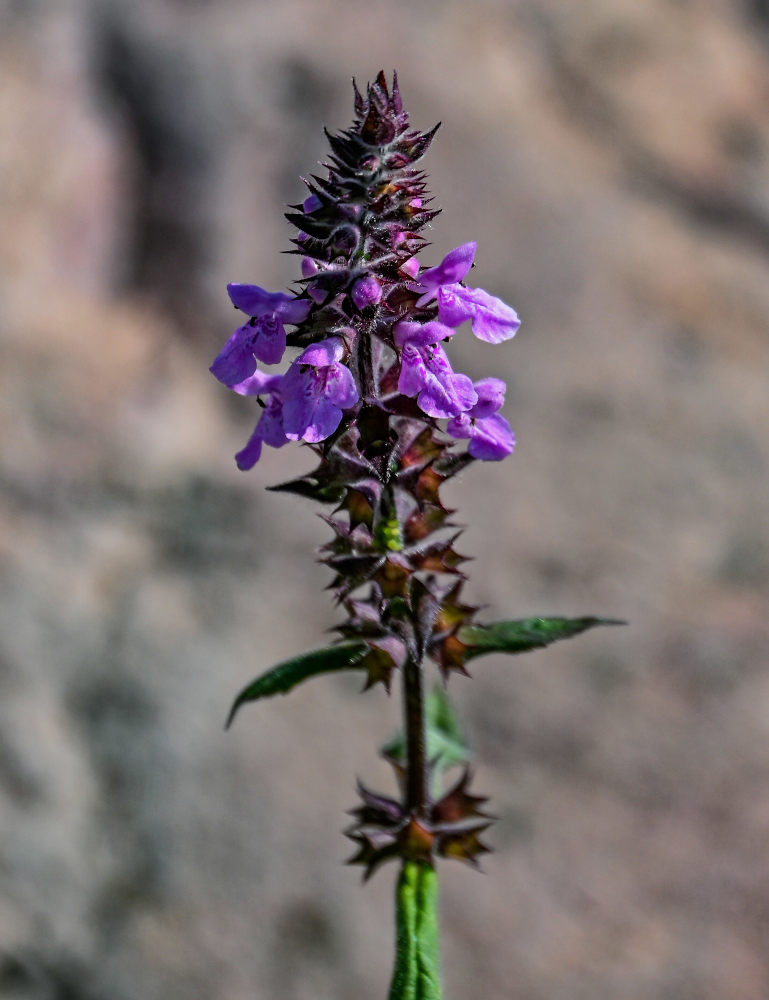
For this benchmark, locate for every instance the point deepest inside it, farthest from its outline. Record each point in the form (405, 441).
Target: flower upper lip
(453, 268)
(492, 319)
(255, 301)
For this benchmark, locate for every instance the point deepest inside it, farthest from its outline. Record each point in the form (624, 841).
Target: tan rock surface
(611, 160)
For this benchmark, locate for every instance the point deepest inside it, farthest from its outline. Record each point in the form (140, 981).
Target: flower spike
(369, 388)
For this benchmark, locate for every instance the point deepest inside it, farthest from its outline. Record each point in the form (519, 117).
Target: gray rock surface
(611, 160)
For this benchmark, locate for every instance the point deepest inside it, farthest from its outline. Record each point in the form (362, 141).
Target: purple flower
(269, 428)
(492, 319)
(263, 337)
(309, 268)
(306, 402)
(491, 438)
(426, 371)
(257, 384)
(315, 390)
(366, 291)
(254, 301)
(454, 266)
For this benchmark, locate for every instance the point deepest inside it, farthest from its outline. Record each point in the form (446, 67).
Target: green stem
(417, 973)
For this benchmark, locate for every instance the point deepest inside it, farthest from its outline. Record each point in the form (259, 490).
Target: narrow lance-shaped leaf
(523, 634)
(286, 675)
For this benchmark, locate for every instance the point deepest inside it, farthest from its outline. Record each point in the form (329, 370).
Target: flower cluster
(363, 284)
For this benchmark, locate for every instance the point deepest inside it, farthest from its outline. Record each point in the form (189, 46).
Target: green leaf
(286, 675)
(443, 720)
(524, 634)
(416, 975)
(445, 743)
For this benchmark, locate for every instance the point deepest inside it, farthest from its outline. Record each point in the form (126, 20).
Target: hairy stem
(365, 368)
(416, 975)
(414, 712)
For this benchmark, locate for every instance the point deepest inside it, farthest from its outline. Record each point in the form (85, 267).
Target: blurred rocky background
(612, 160)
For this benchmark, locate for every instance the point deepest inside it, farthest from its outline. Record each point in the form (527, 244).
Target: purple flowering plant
(373, 394)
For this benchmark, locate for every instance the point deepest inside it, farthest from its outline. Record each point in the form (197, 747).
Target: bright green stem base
(417, 962)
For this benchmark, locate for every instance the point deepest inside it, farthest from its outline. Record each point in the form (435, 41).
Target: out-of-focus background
(612, 160)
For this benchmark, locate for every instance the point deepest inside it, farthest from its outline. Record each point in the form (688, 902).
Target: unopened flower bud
(366, 291)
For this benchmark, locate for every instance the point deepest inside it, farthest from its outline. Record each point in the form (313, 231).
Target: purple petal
(465, 391)
(404, 331)
(257, 384)
(447, 398)
(311, 203)
(293, 310)
(437, 362)
(461, 426)
(310, 408)
(313, 400)
(249, 456)
(271, 424)
(491, 397)
(310, 267)
(325, 352)
(420, 334)
(236, 361)
(325, 420)
(300, 391)
(413, 374)
(452, 268)
(492, 319)
(255, 301)
(445, 394)
(492, 439)
(435, 401)
(270, 340)
(340, 386)
(269, 430)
